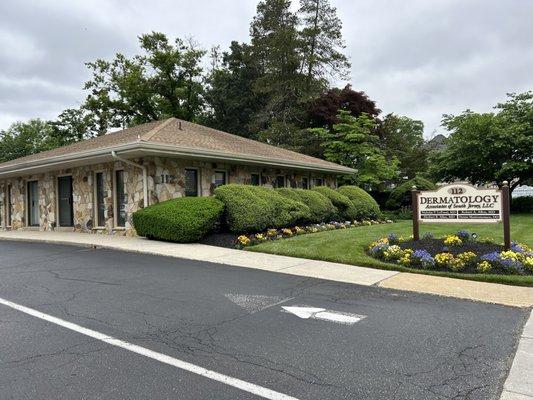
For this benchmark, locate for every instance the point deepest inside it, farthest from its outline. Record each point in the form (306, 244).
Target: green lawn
(348, 245)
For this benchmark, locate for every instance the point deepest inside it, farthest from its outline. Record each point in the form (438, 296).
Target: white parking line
(184, 365)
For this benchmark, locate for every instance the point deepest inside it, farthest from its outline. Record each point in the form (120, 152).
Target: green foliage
(256, 208)
(321, 209)
(403, 138)
(321, 41)
(230, 93)
(25, 138)
(162, 81)
(352, 143)
(346, 210)
(262, 89)
(522, 204)
(400, 196)
(365, 206)
(182, 220)
(490, 147)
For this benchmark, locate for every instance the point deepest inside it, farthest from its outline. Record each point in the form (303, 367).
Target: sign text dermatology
(460, 203)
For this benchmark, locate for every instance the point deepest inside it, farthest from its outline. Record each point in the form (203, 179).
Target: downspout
(145, 174)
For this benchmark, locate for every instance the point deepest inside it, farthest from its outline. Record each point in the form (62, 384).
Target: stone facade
(166, 180)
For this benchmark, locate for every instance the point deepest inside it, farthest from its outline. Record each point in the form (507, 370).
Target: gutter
(145, 175)
(150, 147)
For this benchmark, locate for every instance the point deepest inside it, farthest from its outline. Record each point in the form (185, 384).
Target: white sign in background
(460, 203)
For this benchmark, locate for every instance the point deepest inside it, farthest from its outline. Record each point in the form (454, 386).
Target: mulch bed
(221, 239)
(435, 246)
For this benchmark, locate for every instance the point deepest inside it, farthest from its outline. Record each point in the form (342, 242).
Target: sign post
(460, 203)
(506, 209)
(414, 202)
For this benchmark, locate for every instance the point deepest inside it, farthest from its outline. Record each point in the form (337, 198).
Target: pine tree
(321, 41)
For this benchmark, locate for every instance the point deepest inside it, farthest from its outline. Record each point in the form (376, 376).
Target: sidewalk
(478, 291)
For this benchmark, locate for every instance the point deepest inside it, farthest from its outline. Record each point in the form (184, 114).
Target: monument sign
(461, 203)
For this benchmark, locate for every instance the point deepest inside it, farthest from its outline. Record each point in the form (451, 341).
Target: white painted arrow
(323, 314)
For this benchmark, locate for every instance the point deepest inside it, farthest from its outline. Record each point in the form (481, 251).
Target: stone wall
(166, 180)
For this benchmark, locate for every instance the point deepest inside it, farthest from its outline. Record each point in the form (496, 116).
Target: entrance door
(64, 192)
(33, 203)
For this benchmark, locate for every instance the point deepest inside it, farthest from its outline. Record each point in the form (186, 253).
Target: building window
(280, 181)
(9, 204)
(305, 183)
(255, 179)
(220, 178)
(191, 182)
(33, 203)
(120, 198)
(99, 199)
(319, 182)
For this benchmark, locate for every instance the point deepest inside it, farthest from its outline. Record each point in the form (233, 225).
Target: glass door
(33, 203)
(64, 192)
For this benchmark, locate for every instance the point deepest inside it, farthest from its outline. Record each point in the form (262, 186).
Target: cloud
(418, 58)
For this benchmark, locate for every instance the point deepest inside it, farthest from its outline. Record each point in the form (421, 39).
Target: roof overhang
(140, 149)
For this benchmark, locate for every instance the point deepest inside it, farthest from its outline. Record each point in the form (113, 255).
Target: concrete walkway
(478, 291)
(519, 383)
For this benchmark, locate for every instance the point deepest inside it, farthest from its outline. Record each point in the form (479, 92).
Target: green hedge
(182, 220)
(346, 209)
(400, 196)
(365, 205)
(256, 208)
(320, 207)
(522, 204)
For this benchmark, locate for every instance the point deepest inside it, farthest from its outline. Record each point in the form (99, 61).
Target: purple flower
(423, 258)
(464, 235)
(517, 248)
(393, 238)
(491, 257)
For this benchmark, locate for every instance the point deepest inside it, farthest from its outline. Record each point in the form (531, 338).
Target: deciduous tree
(489, 147)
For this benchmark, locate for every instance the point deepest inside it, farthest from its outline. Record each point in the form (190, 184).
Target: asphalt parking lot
(102, 324)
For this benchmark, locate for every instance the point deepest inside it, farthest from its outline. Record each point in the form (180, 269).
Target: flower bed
(276, 234)
(462, 252)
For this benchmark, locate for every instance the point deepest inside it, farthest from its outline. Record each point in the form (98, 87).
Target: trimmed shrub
(346, 209)
(183, 220)
(365, 206)
(320, 207)
(522, 204)
(255, 208)
(400, 196)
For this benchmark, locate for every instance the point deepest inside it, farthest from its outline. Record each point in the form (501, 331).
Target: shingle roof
(173, 132)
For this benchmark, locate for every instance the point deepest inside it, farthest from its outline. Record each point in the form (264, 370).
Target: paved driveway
(102, 324)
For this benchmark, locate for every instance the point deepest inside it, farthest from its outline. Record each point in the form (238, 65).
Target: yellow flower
(457, 264)
(452, 240)
(243, 240)
(394, 252)
(483, 267)
(528, 262)
(467, 256)
(509, 254)
(286, 232)
(272, 232)
(444, 259)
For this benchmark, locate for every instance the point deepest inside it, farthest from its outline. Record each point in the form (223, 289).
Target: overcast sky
(419, 58)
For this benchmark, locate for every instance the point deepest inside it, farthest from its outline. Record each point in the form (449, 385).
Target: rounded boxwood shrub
(183, 220)
(365, 205)
(321, 209)
(256, 208)
(345, 207)
(400, 196)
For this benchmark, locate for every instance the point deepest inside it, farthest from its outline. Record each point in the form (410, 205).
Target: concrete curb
(469, 290)
(519, 383)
